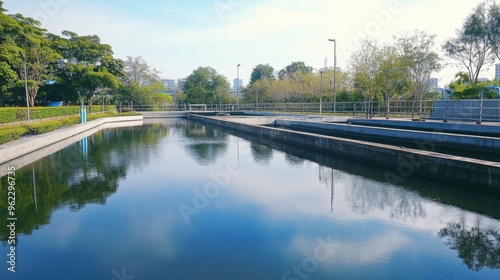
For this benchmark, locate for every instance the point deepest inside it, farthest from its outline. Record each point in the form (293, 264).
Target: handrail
(446, 110)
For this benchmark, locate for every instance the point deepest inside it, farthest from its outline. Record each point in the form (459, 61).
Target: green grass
(13, 132)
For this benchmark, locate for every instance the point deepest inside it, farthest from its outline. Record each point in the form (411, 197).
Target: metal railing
(446, 110)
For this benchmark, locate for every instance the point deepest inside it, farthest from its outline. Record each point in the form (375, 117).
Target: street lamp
(334, 74)
(26, 83)
(238, 86)
(321, 93)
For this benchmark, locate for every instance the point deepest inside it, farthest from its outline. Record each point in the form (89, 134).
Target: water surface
(178, 200)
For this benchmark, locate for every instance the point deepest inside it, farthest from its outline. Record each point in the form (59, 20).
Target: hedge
(12, 133)
(16, 114)
(15, 131)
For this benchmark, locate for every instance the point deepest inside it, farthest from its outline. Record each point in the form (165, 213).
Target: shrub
(8, 134)
(17, 114)
(8, 115)
(13, 132)
(43, 127)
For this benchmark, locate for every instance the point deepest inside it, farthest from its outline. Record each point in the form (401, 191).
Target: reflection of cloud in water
(377, 249)
(158, 231)
(60, 236)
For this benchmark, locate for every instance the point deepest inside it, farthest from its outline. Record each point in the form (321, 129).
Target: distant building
(233, 89)
(181, 83)
(171, 85)
(483, 80)
(497, 72)
(237, 84)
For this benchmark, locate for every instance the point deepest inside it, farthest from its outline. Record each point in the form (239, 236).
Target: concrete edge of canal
(19, 148)
(401, 162)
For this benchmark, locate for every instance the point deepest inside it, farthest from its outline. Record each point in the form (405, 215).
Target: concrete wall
(400, 162)
(469, 142)
(460, 128)
(27, 145)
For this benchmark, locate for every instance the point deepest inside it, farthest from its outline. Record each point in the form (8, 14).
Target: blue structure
(56, 104)
(83, 114)
(447, 94)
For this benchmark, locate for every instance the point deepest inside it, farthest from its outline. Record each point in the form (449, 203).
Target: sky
(178, 36)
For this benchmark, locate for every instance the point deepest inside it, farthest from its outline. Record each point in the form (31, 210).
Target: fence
(453, 110)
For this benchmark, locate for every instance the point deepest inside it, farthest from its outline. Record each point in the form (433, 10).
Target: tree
(258, 92)
(391, 76)
(206, 86)
(87, 82)
(8, 51)
(474, 46)
(151, 94)
(295, 67)
(24, 47)
(365, 67)
(139, 72)
(494, 27)
(262, 71)
(84, 67)
(416, 50)
(38, 61)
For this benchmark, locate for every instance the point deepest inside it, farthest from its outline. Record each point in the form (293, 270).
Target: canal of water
(174, 199)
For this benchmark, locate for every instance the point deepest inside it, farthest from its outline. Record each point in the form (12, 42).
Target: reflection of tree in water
(478, 248)
(72, 178)
(261, 154)
(367, 196)
(294, 161)
(208, 143)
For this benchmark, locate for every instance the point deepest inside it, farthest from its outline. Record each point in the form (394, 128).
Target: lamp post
(321, 93)
(26, 83)
(334, 74)
(238, 86)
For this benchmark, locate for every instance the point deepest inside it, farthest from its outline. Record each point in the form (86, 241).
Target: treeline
(80, 69)
(399, 70)
(71, 68)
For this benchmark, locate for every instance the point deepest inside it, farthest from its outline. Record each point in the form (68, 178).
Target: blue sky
(177, 36)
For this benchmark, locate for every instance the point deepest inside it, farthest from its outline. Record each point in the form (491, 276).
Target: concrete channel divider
(400, 162)
(485, 129)
(21, 147)
(470, 142)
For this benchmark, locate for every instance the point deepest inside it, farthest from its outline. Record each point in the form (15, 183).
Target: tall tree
(294, 67)
(365, 66)
(9, 51)
(391, 77)
(25, 51)
(474, 46)
(262, 71)
(206, 86)
(139, 72)
(87, 82)
(87, 67)
(416, 50)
